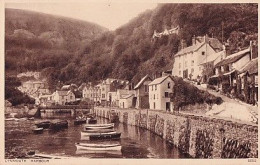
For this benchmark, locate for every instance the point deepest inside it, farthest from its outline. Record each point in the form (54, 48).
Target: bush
(187, 94)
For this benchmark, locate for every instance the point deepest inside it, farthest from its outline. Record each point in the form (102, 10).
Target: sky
(107, 14)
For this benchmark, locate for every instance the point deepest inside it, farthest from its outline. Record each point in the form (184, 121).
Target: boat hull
(44, 125)
(98, 126)
(59, 125)
(98, 147)
(81, 121)
(100, 136)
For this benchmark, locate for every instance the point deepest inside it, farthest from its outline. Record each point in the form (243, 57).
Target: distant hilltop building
(166, 32)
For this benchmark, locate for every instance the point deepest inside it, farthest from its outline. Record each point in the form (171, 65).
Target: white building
(61, 97)
(187, 61)
(159, 93)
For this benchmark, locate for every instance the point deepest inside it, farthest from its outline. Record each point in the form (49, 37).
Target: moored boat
(37, 130)
(44, 124)
(80, 121)
(91, 121)
(102, 147)
(99, 126)
(100, 136)
(59, 125)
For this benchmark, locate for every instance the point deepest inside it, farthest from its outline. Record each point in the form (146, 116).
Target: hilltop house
(159, 93)
(187, 61)
(226, 70)
(61, 97)
(142, 92)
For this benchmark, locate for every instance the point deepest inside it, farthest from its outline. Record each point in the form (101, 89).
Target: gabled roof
(190, 49)
(251, 67)
(63, 93)
(65, 87)
(233, 58)
(127, 96)
(160, 80)
(212, 57)
(142, 81)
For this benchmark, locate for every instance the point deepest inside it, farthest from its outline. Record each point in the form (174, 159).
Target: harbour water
(136, 142)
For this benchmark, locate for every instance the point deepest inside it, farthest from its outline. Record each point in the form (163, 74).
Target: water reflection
(136, 142)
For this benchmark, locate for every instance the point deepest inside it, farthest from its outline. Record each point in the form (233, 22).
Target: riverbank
(198, 136)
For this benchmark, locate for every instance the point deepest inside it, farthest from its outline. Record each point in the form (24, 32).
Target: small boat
(99, 126)
(102, 147)
(37, 130)
(44, 124)
(100, 136)
(12, 119)
(59, 125)
(91, 121)
(33, 155)
(80, 121)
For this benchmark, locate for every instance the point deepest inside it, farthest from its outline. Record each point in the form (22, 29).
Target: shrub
(187, 94)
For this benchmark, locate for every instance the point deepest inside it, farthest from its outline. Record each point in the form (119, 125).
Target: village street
(231, 108)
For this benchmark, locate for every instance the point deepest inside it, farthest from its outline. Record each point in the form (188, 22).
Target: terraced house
(187, 61)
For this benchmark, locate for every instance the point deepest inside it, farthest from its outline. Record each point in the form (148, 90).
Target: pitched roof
(62, 93)
(251, 67)
(233, 58)
(212, 57)
(142, 81)
(65, 87)
(160, 80)
(127, 96)
(190, 49)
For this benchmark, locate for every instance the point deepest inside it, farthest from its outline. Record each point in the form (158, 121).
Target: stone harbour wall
(200, 137)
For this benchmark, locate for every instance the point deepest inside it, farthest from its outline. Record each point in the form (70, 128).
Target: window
(179, 65)
(71, 97)
(179, 72)
(155, 87)
(152, 87)
(103, 95)
(169, 85)
(154, 96)
(192, 62)
(103, 89)
(154, 105)
(203, 53)
(166, 94)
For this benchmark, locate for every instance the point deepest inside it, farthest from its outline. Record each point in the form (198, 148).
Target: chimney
(194, 40)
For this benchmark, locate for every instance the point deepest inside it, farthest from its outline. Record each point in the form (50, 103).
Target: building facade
(142, 92)
(160, 90)
(187, 61)
(62, 97)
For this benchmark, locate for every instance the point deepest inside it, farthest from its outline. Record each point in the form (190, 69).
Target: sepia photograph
(130, 80)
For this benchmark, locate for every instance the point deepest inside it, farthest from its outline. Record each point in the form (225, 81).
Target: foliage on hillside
(13, 95)
(187, 94)
(130, 53)
(34, 41)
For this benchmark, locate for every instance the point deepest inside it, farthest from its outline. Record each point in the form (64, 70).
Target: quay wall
(198, 136)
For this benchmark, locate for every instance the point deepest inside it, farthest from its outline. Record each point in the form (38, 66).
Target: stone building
(62, 97)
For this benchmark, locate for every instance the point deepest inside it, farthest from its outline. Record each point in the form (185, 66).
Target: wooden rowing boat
(102, 147)
(59, 125)
(80, 121)
(38, 130)
(99, 126)
(44, 124)
(100, 136)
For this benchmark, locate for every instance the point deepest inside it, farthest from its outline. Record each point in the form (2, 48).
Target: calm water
(136, 142)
